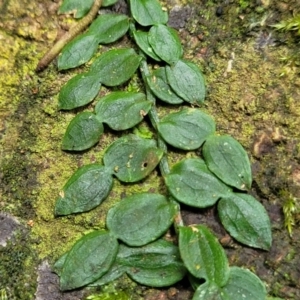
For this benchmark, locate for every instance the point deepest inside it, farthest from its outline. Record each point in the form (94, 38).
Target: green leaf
(191, 183)
(160, 87)
(228, 160)
(246, 220)
(116, 66)
(209, 291)
(165, 43)
(187, 81)
(203, 255)
(78, 7)
(109, 27)
(77, 52)
(186, 129)
(141, 218)
(243, 284)
(58, 266)
(86, 189)
(132, 158)
(106, 3)
(148, 12)
(78, 91)
(157, 264)
(115, 271)
(83, 132)
(122, 110)
(90, 258)
(141, 38)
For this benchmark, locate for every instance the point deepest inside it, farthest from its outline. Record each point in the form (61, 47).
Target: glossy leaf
(78, 91)
(108, 28)
(187, 81)
(83, 132)
(148, 12)
(59, 264)
(186, 129)
(86, 189)
(122, 110)
(165, 43)
(141, 218)
(243, 284)
(78, 7)
(157, 264)
(115, 271)
(141, 38)
(77, 52)
(160, 87)
(246, 220)
(203, 255)
(209, 291)
(132, 158)
(116, 66)
(90, 258)
(228, 160)
(191, 183)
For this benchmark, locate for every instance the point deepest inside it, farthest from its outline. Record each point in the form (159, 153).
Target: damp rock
(179, 16)
(8, 226)
(48, 286)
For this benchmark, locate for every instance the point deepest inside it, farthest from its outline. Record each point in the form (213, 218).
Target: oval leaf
(243, 284)
(90, 258)
(186, 129)
(148, 12)
(132, 158)
(203, 255)
(141, 38)
(187, 81)
(78, 7)
(109, 27)
(191, 183)
(246, 220)
(83, 132)
(78, 91)
(228, 160)
(115, 271)
(209, 291)
(157, 264)
(86, 189)
(116, 66)
(77, 52)
(160, 87)
(122, 110)
(141, 218)
(165, 43)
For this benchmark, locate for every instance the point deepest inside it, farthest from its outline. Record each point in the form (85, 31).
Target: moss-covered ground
(252, 95)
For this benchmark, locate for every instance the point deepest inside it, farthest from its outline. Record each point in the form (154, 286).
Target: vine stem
(68, 36)
(163, 164)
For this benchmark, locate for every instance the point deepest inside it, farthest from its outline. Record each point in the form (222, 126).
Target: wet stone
(48, 286)
(8, 225)
(179, 16)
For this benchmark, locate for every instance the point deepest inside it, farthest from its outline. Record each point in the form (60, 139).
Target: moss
(248, 100)
(17, 266)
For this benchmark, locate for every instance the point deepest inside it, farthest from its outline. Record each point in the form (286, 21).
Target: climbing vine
(133, 242)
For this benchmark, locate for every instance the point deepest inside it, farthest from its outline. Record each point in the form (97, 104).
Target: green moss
(17, 266)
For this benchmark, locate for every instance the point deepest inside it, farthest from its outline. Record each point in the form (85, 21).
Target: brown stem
(68, 36)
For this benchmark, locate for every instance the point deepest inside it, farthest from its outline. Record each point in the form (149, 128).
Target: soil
(253, 95)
